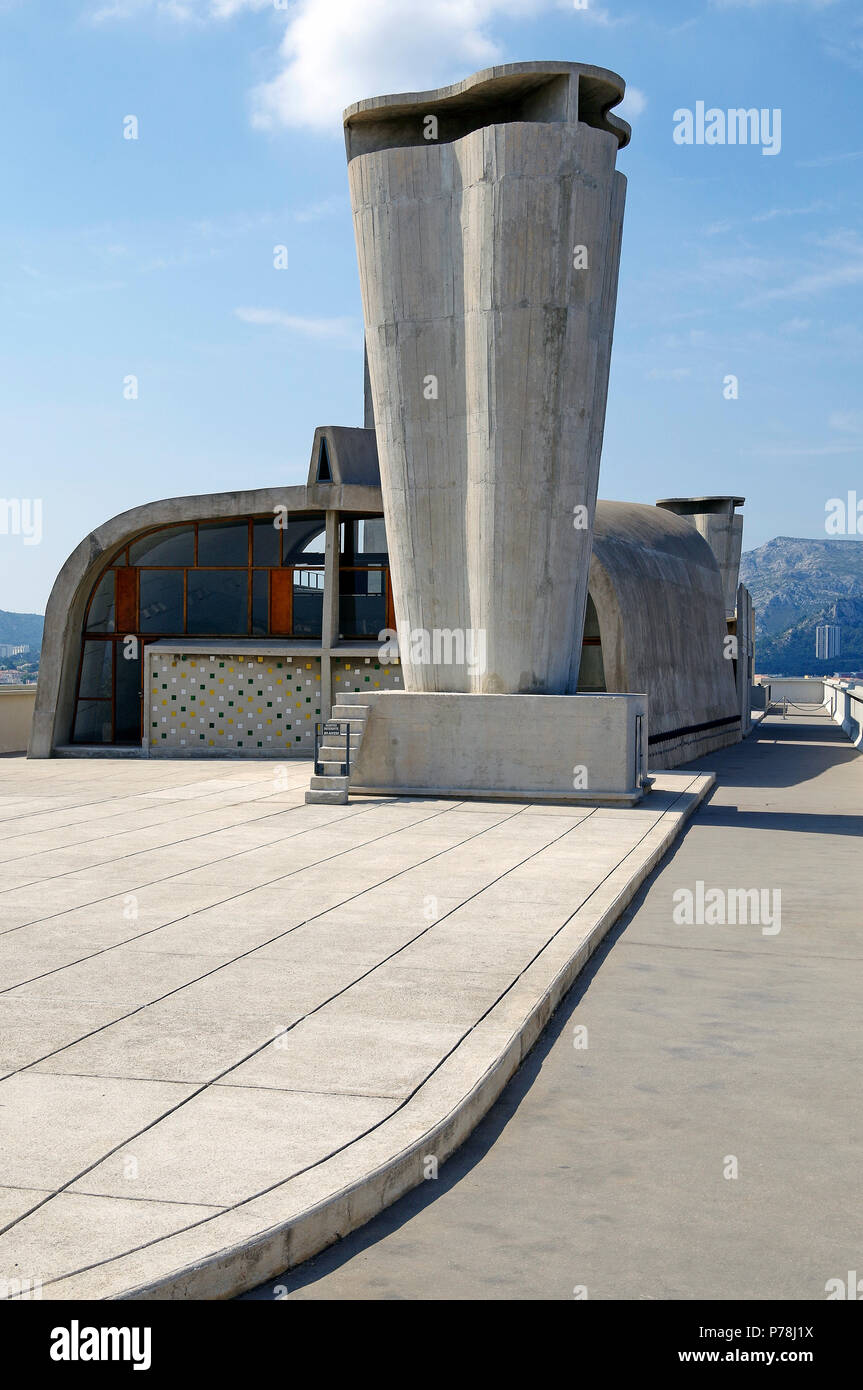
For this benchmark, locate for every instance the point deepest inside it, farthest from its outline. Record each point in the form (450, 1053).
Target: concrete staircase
(330, 788)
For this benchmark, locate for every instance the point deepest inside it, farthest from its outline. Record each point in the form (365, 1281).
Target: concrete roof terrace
(234, 1026)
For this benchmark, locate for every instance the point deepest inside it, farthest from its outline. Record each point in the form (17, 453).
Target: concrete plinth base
(584, 749)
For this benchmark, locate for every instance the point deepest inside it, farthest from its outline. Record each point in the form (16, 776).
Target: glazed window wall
(243, 577)
(365, 593)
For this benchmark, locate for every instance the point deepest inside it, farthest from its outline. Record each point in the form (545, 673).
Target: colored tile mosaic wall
(233, 703)
(356, 673)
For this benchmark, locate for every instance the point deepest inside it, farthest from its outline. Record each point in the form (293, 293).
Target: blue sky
(154, 256)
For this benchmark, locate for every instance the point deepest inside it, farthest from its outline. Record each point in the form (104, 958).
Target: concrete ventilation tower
(488, 220)
(718, 521)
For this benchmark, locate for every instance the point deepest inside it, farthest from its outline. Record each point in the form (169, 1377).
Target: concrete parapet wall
(580, 748)
(17, 703)
(844, 702)
(795, 689)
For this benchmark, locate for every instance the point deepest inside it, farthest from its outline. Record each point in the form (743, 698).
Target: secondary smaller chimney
(717, 520)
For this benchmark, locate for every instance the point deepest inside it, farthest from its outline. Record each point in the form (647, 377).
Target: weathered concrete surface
(800, 690)
(489, 343)
(604, 1167)
(580, 748)
(233, 1026)
(716, 519)
(657, 590)
(843, 701)
(16, 716)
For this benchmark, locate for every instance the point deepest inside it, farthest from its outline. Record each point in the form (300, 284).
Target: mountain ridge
(797, 583)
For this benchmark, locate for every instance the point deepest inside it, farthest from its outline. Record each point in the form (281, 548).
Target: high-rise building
(826, 641)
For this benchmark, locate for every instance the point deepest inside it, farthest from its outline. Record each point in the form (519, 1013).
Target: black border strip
(694, 729)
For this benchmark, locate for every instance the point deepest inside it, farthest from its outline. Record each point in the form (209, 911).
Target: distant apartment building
(9, 649)
(826, 641)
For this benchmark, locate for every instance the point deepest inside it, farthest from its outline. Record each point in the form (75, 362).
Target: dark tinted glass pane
(128, 703)
(362, 615)
(161, 601)
(96, 671)
(364, 541)
(223, 543)
(173, 546)
(101, 615)
(304, 536)
(218, 602)
(93, 722)
(308, 602)
(260, 603)
(266, 542)
(362, 581)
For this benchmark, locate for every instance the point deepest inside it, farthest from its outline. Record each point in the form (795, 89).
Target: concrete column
(489, 337)
(326, 685)
(330, 616)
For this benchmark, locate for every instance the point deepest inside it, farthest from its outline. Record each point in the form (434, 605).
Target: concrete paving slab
(167, 1041)
(30, 1029)
(125, 978)
(52, 1126)
(47, 1244)
(298, 1018)
(350, 1056)
(193, 1155)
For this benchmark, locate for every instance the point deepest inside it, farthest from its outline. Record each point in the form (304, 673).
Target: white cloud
(592, 13)
(803, 450)
(183, 11)
(789, 212)
(334, 52)
(328, 207)
(849, 51)
(840, 267)
(826, 159)
(633, 104)
(817, 281)
(847, 421)
(762, 4)
(337, 52)
(339, 329)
